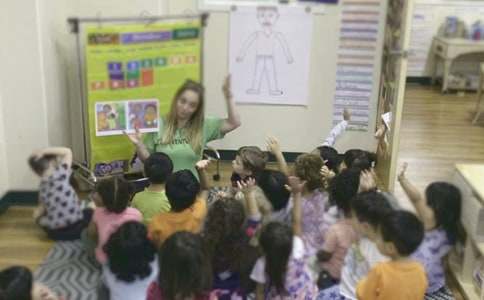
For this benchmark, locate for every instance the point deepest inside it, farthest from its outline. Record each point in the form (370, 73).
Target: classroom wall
(38, 82)
(3, 159)
(429, 15)
(23, 95)
(299, 129)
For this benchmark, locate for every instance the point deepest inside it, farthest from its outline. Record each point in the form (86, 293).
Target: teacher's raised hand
(233, 119)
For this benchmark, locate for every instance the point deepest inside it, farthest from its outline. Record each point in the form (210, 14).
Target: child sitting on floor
(152, 200)
(439, 211)
(16, 283)
(282, 272)
(188, 208)
(399, 235)
(59, 212)
(111, 197)
(132, 263)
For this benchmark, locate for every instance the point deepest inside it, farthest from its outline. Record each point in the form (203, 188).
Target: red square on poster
(116, 84)
(147, 77)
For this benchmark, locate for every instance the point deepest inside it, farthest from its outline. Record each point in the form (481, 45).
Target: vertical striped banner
(356, 60)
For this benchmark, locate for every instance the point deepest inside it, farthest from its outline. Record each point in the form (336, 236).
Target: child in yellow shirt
(400, 234)
(188, 209)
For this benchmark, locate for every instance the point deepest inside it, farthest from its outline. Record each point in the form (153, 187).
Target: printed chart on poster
(269, 54)
(357, 61)
(132, 74)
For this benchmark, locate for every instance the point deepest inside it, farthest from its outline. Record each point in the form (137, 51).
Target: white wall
(39, 82)
(429, 15)
(38, 59)
(299, 129)
(23, 98)
(3, 159)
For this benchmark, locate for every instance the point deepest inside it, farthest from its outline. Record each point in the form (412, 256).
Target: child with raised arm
(439, 210)
(282, 272)
(59, 212)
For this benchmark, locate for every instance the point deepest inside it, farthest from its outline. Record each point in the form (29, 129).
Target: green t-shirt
(150, 203)
(180, 151)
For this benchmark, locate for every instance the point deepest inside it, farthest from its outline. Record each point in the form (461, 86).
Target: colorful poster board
(132, 74)
(357, 60)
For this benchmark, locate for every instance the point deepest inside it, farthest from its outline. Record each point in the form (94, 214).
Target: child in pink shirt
(340, 235)
(112, 198)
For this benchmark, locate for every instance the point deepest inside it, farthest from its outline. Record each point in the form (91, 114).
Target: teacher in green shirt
(185, 130)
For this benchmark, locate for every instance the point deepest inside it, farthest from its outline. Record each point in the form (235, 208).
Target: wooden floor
(436, 133)
(21, 241)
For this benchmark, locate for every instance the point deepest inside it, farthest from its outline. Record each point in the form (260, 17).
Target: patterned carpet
(70, 272)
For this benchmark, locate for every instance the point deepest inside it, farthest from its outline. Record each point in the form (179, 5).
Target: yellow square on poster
(132, 74)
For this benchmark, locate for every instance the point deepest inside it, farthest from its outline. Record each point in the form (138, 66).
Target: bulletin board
(131, 70)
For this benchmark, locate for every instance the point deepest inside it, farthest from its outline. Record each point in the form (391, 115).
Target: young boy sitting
(399, 235)
(153, 200)
(367, 209)
(59, 212)
(188, 210)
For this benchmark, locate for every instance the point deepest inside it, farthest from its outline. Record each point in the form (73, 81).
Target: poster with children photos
(116, 118)
(269, 54)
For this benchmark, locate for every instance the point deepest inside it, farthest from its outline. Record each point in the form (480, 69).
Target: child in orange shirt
(400, 234)
(188, 209)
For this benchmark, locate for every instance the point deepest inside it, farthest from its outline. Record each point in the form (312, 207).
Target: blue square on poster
(115, 66)
(133, 65)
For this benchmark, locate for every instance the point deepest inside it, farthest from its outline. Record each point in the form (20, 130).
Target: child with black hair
(282, 272)
(16, 283)
(357, 158)
(341, 235)
(399, 235)
(439, 210)
(367, 210)
(273, 183)
(132, 263)
(157, 167)
(227, 233)
(188, 208)
(111, 196)
(328, 154)
(185, 270)
(59, 212)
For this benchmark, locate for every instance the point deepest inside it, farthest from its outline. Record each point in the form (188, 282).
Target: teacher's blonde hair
(194, 128)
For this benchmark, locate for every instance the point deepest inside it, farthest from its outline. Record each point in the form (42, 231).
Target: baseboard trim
(420, 80)
(10, 198)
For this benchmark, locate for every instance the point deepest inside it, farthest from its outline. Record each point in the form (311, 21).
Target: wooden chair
(480, 94)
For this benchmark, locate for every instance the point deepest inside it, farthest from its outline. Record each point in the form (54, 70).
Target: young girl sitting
(132, 265)
(226, 236)
(185, 270)
(16, 283)
(314, 202)
(282, 272)
(439, 210)
(111, 197)
(340, 235)
(59, 212)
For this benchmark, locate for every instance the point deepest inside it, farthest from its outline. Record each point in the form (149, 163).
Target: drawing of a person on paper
(266, 41)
